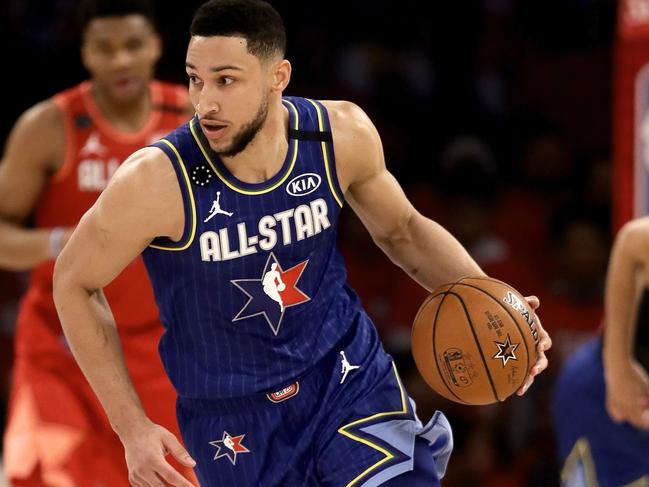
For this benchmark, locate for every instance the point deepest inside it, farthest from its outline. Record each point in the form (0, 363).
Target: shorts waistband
(319, 373)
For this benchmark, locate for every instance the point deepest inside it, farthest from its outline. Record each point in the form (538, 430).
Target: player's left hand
(545, 342)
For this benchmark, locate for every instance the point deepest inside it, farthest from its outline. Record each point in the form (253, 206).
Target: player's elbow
(398, 241)
(63, 280)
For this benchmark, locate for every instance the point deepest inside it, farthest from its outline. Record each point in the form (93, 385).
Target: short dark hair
(90, 10)
(254, 20)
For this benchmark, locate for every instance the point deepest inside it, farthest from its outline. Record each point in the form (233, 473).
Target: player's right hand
(627, 394)
(146, 449)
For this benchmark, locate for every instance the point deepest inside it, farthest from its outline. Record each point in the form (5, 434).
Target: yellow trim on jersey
(325, 154)
(643, 482)
(580, 453)
(191, 199)
(388, 455)
(192, 126)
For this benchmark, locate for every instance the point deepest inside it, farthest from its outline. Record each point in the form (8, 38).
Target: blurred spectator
(573, 293)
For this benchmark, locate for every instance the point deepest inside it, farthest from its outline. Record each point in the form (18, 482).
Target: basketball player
(601, 398)
(58, 158)
(265, 395)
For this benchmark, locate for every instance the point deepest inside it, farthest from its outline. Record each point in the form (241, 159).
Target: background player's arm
(627, 382)
(34, 150)
(424, 249)
(142, 201)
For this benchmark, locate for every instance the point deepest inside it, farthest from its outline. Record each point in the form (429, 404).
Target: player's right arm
(627, 382)
(142, 201)
(34, 150)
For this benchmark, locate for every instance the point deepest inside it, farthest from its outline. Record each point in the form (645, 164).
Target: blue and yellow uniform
(281, 377)
(595, 450)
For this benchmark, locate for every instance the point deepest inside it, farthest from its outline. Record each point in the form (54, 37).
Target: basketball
(281, 286)
(474, 340)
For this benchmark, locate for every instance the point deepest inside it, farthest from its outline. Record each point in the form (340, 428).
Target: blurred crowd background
(495, 116)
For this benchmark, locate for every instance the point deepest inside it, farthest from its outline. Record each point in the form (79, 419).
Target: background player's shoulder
(43, 122)
(43, 115)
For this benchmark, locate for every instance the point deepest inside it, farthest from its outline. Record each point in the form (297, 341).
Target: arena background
(495, 115)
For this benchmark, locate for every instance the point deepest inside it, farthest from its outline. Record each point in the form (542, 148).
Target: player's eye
(226, 80)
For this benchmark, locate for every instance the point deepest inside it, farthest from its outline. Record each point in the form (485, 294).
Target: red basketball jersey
(94, 150)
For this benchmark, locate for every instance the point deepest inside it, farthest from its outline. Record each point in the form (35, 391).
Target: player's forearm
(23, 248)
(429, 253)
(620, 305)
(90, 330)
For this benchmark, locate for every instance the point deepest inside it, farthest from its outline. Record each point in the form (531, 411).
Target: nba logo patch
(271, 294)
(229, 446)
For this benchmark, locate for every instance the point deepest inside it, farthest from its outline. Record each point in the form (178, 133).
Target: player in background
(265, 395)
(601, 397)
(59, 156)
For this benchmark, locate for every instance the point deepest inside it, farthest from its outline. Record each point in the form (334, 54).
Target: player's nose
(207, 103)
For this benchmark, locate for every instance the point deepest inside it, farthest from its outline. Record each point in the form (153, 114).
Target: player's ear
(281, 75)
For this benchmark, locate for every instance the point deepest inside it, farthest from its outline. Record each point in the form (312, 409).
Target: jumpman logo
(347, 367)
(272, 282)
(216, 209)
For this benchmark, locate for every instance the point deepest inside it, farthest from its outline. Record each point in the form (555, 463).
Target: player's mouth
(213, 130)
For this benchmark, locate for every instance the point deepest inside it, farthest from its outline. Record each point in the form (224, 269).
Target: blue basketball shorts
(594, 450)
(329, 428)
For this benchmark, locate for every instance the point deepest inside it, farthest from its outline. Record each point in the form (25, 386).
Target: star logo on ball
(271, 294)
(506, 350)
(229, 446)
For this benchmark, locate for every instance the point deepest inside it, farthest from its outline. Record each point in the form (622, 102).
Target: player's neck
(265, 155)
(128, 116)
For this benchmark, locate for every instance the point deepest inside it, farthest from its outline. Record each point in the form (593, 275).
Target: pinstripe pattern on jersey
(218, 342)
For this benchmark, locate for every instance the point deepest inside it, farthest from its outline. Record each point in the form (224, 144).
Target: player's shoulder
(146, 167)
(45, 116)
(346, 115)
(143, 192)
(351, 127)
(633, 236)
(38, 136)
(356, 141)
(636, 228)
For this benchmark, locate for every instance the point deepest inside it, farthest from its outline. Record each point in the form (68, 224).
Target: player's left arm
(421, 247)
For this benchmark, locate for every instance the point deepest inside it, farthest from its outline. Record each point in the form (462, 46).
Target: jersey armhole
(328, 153)
(61, 103)
(189, 205)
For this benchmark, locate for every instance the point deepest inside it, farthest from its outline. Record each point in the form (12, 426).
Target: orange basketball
(474, 340)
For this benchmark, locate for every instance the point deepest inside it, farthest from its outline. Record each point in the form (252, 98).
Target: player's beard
(247, 133)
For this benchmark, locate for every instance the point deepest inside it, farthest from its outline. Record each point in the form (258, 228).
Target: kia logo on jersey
(303, 184)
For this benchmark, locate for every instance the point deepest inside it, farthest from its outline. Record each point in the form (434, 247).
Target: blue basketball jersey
(255, 292)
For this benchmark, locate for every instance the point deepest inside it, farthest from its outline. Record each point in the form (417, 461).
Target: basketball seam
(439, 371)
(510, 315)
(478, 345)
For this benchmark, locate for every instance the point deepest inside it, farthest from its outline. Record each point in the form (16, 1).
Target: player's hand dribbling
(627, 394)
(146, 448)
(545, 342)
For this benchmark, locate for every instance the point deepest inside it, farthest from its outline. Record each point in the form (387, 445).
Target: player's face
(120, 53)
(229, 88)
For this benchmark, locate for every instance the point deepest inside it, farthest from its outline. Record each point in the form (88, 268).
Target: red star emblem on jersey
(271, 294)
(229, 446)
